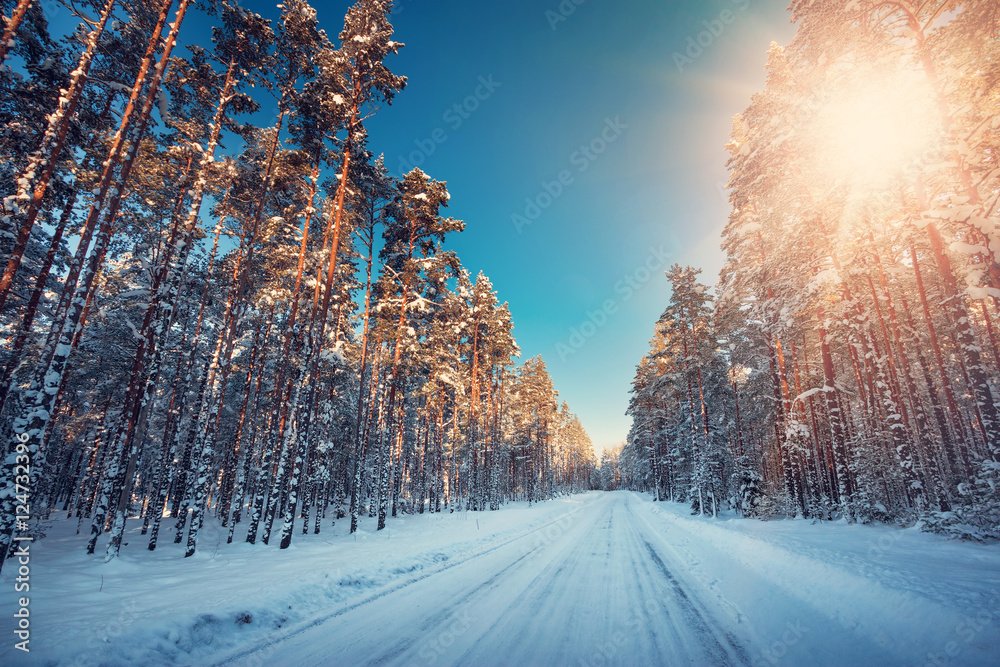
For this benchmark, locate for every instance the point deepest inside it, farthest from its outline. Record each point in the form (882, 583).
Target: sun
(874, 130)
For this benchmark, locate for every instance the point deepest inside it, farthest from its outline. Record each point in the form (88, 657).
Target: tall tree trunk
(44, 392)
(32, 187)
(359, 443)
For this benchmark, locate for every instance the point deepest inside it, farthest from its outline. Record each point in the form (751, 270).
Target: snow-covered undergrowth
(160, 608)
(921, 598)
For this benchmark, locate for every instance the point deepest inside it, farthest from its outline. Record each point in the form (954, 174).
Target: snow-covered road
(585, 580)
(619, 581)
(596, 586)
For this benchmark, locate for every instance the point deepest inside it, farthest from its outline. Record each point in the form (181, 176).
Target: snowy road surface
(587, 580)
(594, 586)
(611, 584)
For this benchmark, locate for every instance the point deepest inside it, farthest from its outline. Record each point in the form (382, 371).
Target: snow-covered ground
(594, 579)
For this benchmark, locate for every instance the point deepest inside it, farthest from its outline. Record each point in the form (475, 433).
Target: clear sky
(535, 85)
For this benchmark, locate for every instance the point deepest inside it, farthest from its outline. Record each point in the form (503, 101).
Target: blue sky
(584, 155)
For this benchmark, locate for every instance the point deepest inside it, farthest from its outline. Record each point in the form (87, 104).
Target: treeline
(846, 364)
(216, 300)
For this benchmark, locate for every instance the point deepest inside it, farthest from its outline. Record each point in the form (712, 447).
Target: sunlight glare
(871, 133)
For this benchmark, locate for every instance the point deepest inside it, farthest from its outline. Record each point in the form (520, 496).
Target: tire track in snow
(540, 598)
(650, 593)
(442, 617)
(723, 650)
